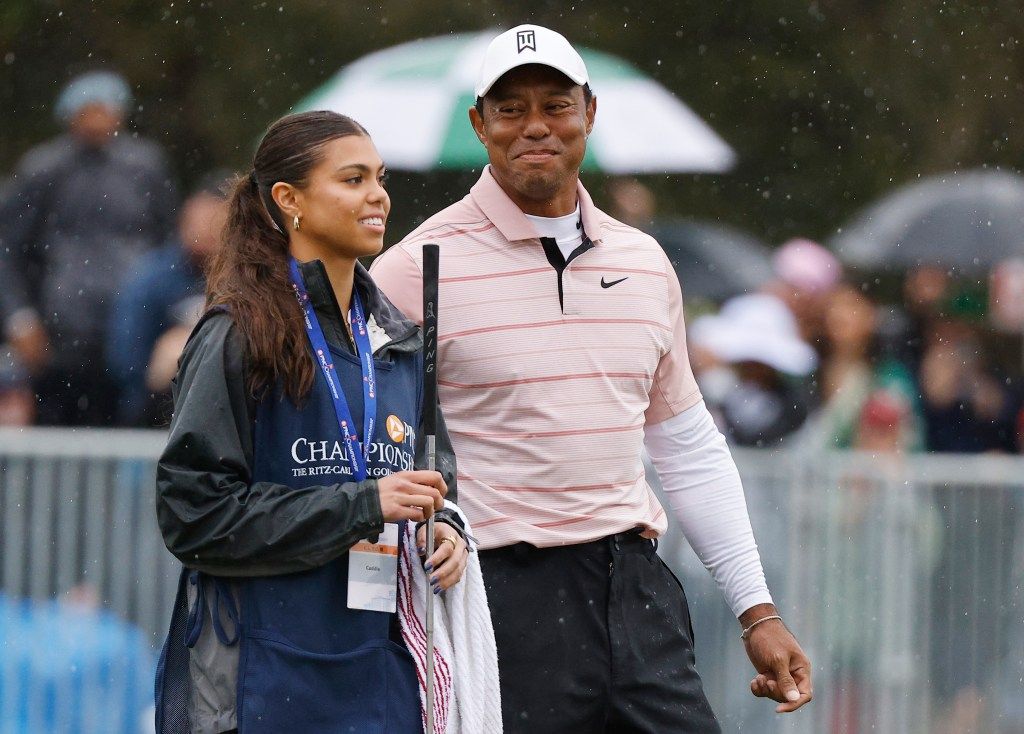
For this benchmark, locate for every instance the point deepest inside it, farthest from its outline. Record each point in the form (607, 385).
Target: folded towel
(467, 699)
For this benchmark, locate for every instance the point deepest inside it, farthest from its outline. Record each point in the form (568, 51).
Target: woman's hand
(411, 495)
(451, 554)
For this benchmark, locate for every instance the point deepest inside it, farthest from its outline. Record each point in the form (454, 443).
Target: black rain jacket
(213, 517)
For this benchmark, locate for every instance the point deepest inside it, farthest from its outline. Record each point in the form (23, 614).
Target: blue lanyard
(357, 457)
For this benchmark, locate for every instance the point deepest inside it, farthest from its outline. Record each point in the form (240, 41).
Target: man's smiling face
(534, 125)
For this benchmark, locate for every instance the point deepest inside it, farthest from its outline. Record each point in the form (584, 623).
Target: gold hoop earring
(295, 222)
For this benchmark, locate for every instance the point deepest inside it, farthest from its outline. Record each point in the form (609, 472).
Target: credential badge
(526, 40)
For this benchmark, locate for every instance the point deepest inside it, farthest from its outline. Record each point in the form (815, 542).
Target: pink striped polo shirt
(546, 404)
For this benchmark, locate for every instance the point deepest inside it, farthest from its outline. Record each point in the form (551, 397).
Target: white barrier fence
(77, 513)
(902, 579)
(86, 585)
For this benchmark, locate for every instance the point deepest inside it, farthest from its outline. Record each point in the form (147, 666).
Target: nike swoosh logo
(614, 282)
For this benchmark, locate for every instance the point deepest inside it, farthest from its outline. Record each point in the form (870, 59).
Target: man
(562, 354)
(159, 304)
(81, 208)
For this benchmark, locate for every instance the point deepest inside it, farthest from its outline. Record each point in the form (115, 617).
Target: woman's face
(344, 206)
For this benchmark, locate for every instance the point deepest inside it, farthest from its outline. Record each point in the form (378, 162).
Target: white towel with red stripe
(467, 699)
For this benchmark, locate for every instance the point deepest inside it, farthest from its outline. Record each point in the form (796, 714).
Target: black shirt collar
(375, 303)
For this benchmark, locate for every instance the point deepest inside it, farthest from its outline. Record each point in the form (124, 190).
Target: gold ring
(451, 540)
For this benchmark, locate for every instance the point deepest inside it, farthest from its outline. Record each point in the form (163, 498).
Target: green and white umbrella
(413, 100)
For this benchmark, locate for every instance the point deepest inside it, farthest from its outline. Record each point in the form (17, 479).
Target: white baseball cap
(757, 328)
(529, 44)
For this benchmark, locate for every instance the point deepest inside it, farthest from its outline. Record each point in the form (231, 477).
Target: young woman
(293, 440)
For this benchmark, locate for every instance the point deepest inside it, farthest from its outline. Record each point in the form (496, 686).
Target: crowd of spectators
(100, 268)
(818, 358)
(821, 356)
(101, 281)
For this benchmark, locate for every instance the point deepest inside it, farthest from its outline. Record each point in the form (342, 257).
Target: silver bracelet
(746, 633)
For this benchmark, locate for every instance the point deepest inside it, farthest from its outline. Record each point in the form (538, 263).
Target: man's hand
(783, 670)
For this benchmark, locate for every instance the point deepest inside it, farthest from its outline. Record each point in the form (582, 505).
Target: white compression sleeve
(704, 491)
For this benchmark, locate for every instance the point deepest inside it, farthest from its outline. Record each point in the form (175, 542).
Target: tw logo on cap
(526, 40)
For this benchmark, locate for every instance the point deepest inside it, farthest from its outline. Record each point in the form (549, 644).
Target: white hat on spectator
(755, 328)
(529, 44)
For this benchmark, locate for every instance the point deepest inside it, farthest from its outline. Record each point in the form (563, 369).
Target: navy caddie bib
(305, 656)
(306, 661)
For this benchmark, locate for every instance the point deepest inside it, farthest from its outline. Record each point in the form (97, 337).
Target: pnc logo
(396, 428)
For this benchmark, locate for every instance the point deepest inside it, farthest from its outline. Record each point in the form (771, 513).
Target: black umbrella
(714, 261)
(964, 220)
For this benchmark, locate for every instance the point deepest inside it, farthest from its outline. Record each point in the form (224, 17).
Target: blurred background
(836, 183)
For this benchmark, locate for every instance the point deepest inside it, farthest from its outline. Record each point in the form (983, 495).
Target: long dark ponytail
(249, 273)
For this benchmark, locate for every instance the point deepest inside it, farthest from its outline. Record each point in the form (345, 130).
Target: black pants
(593, 638)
